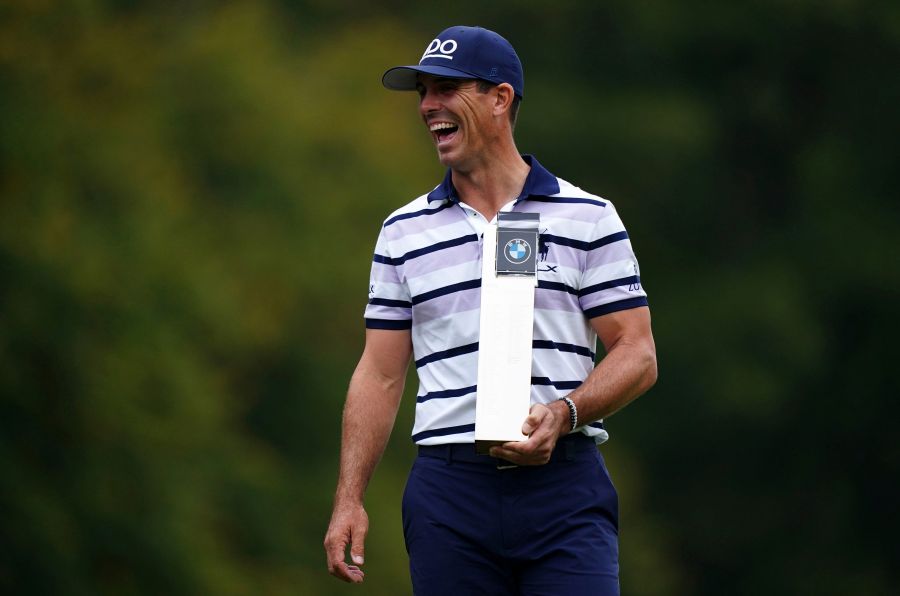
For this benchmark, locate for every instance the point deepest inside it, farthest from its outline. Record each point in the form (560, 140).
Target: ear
(504, 98)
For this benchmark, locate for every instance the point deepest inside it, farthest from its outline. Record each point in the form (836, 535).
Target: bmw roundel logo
(517, 250)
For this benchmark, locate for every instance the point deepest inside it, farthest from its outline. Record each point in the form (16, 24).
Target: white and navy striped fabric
(426, 276)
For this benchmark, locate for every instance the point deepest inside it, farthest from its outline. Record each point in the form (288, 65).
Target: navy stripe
(402, 216)
(440, 432)
(388, 324)
(563, 241)
(388, 302)
(461, 286)
(598, 424)
(447, 393)
(567, 200)
(556, 384)
(555, 285)
(605, 309)
(517, 216)
(426, 250)
(623, 235)
(612, 283)
(444, 354)
(581, 244)
(554, 345)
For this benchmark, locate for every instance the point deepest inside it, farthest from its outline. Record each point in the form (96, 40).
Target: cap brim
(403, 78)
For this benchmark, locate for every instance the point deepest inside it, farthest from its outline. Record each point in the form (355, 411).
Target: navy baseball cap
(462, 53)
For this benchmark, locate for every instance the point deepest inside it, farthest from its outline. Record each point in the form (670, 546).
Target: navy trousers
(476, 525)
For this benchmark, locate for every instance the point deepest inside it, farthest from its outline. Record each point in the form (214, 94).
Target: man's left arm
(627, 371)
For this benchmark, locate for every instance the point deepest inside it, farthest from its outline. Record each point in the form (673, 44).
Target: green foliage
(190, 196)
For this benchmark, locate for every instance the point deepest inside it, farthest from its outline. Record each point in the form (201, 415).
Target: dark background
(190, 198)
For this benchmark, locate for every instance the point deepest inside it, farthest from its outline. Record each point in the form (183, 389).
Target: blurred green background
(191, 193)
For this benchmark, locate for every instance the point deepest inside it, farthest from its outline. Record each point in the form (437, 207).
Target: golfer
(537, 516)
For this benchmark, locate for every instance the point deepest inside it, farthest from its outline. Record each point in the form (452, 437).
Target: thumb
(357, 545)
(533, 420)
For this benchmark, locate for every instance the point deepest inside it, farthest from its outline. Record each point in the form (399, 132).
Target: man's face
(459, 118)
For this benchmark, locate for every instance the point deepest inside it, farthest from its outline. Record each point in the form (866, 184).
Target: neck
(492, 182)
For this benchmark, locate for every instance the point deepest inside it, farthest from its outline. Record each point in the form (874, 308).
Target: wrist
(569, 415)
(561, 417)
(347, 496)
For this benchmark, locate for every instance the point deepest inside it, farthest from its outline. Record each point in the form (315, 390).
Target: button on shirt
(426, 276)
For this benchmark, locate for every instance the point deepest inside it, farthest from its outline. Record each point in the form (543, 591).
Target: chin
(446, 159)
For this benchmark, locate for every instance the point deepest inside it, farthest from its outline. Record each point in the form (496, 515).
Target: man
(538, 516)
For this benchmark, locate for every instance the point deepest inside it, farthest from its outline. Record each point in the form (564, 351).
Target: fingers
(348, 573)
(336, 565)
(534, 451)
(346, 529)
(540, 426)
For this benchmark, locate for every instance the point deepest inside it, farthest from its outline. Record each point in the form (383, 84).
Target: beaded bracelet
(573, 411)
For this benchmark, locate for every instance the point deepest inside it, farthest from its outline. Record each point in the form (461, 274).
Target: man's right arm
(369, 413)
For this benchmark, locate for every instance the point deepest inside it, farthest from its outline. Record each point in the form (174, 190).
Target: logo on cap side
(439, 49)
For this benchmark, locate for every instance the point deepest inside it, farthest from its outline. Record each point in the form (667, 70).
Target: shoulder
(569, 193)
(575, 204)
(406, 211)
(416, 209)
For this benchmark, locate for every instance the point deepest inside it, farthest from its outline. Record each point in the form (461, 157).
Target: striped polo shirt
(426, 277)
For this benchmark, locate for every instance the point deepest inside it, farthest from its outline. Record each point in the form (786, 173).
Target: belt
(566, 449)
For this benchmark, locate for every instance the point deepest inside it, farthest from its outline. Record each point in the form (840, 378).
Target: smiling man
(537, 516)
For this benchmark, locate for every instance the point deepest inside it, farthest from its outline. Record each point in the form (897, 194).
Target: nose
(428, 101)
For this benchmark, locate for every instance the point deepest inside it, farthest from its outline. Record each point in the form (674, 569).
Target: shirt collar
(539, 182)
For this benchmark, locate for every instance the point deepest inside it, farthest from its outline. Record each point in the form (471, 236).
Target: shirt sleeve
(611, 280)
(390, 305)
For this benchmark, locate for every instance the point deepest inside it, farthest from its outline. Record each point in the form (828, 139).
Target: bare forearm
(626, 372)
(369, 415)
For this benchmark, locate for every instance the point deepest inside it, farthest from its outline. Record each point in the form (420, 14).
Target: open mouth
(443, 131)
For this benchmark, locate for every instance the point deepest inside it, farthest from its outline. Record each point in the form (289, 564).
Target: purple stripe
(620, 251)
(374, 311)
(384, 273)
(568, 211)
(450, 257)
(550, 300)
(450, 304)
(407, 227)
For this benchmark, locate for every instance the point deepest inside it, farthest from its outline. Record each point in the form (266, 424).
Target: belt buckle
(507, 466)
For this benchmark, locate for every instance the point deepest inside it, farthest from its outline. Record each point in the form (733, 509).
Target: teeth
(441, 126)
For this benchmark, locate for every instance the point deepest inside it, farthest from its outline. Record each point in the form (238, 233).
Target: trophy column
(508, 280)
